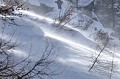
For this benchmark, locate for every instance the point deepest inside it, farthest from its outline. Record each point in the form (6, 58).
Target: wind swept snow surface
(74, 50)
(75, 47)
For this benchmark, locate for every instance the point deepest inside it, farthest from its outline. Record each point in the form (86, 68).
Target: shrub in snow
(102, 37)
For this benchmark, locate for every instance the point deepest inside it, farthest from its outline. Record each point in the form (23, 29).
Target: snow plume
(67, 41)
(57, 37)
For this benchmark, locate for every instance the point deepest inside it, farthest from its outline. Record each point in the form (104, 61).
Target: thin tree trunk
(112, 67)
(113, 14)
(97, 57)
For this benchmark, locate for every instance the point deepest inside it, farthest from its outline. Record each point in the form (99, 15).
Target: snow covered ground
(75, 46)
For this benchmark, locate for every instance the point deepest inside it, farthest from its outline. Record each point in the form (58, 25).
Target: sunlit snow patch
(19, 53)
(68, 41)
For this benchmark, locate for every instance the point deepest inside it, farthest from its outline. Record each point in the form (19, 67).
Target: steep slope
(74, 45)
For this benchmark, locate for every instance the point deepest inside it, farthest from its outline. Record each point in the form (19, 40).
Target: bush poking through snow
(102, 37)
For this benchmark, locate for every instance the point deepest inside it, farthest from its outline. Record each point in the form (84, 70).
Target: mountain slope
(74, 44)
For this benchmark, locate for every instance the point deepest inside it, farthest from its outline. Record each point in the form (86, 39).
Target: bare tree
(98, 56)
(12, 67)
(107, 64)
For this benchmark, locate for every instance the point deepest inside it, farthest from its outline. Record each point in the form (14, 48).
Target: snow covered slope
(75, 45)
